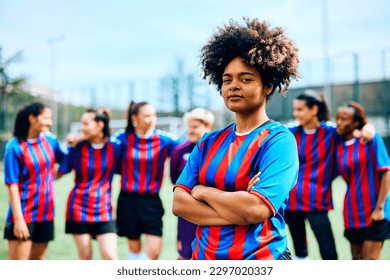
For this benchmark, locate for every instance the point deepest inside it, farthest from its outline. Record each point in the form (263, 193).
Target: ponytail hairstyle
(359, 114)
(22, 123)
(133, 110)
(312, 98)
(102, 115)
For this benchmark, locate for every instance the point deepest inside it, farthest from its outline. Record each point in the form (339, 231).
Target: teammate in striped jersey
(29, 167)
(366, 170)
(139, 209)
(246, 63)
(311, 198)
(199, 121)
(94, 160)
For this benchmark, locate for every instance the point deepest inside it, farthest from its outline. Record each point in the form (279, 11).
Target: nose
(233, 84)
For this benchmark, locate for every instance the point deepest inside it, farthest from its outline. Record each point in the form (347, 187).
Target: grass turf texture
(64, 248)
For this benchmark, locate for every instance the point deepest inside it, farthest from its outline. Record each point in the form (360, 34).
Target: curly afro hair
(269, 50)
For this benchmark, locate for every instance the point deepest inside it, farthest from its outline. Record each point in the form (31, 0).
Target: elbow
(176, 208)
(256, 215)
(178, 205)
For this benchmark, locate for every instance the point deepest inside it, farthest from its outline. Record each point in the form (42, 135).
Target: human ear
(269, 89)
(31, 119)
(100, 125)
(315, 109)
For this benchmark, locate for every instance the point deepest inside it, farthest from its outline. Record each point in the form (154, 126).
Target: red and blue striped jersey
(361, 165)
(31, 165)
(90, 199)
(143, 161)
(226, 161)
(316, 152)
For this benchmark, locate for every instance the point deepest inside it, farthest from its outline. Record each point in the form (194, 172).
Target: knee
(109, 256)
(85, 255)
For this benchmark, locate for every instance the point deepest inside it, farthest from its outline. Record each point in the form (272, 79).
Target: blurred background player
(366, 169)
(94, 160)
(247, 63)
(140, 209)
(29, 167)
(199, 121)
(311, 198)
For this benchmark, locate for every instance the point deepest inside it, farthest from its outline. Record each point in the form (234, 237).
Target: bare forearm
(241, 207)
(14, 199)
(384, 190)
(197, 212)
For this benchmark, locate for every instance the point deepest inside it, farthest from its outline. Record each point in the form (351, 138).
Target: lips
(234, 97)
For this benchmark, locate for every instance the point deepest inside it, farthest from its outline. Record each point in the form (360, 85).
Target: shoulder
(49, 136)
(276, 128)
(119, 134)
(80, 144)
(114, 141)
(165, 134)
(212, 135)
(329, 126)
(13, 144)
(183, 146)
(278, 132)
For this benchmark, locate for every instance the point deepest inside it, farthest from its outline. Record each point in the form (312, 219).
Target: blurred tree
(8, 87)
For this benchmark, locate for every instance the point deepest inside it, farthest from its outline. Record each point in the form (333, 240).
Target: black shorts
(139, 213)
(379, 231)
(93, 229)
(40, 232)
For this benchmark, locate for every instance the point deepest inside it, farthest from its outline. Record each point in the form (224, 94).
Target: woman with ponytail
(139, 209)
(366, 170)
(311, 198)
(95, 159)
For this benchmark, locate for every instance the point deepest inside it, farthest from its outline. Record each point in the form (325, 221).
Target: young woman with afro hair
(237, 180)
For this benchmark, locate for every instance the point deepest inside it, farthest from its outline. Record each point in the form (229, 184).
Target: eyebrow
(241, 74)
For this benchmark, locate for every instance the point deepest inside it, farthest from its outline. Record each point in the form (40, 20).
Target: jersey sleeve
(278, 165)
(12, 162)
(66, 162)
(381, 154)
(173, 143)
(189, 177)
(58, 152)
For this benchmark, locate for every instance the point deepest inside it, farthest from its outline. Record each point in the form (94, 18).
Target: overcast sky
(111, 41)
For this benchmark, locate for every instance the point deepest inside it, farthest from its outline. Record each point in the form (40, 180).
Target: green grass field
(63, 247)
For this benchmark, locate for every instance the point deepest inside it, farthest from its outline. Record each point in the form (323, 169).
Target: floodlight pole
(327, 86)
(54, 99)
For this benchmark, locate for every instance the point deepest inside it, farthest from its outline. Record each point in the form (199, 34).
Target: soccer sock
(133, 256)
(143, 256)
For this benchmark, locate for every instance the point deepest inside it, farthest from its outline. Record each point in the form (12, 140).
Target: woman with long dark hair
(29, 167)
(94, 159)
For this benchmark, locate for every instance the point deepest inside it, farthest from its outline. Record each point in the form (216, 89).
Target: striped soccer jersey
(361, 165)
(90, 199)
(144, 160)
(227, 161)
(316, 151)
(31, 165)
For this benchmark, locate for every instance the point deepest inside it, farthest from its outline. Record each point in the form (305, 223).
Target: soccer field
(63, 247)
